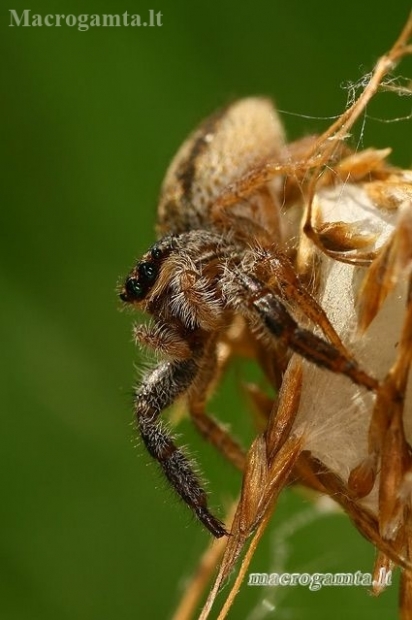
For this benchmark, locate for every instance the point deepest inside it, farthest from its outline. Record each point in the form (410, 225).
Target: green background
(90, 120)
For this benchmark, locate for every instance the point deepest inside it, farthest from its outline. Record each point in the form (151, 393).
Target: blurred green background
(90, 120)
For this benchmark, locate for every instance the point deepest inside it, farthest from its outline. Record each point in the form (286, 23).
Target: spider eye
(148, 271)
(156, 253)
(134, 289)
(137, 286)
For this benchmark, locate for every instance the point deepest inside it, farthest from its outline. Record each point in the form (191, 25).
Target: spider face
(137, 286)
(220, 258)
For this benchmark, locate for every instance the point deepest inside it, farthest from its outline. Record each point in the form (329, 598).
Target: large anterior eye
(148, 271)
(136, 287)
(134, 290)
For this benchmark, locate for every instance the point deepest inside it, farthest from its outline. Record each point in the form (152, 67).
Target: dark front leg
(159, 390)
(270, 318)
(281, 324)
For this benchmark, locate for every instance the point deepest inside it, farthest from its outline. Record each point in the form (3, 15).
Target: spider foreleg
(281, 324)
(271, 319)
(160, 388)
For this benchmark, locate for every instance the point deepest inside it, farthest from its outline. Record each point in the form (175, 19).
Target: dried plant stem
(339, 129)
(202, 576)
(245, 564)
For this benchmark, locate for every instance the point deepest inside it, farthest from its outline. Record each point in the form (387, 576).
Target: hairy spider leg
(159, 390)
(262, 306)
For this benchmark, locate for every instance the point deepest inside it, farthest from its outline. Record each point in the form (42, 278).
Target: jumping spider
(223, 255)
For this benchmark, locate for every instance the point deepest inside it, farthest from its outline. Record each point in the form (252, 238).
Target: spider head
(143, 276)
